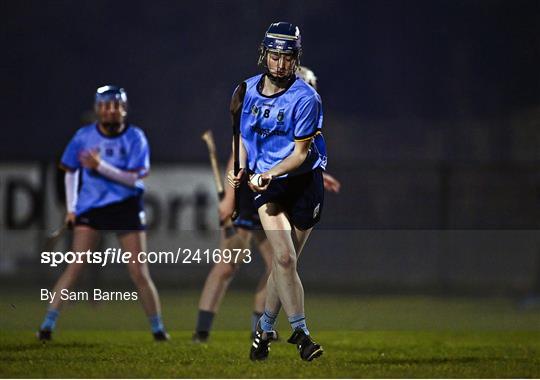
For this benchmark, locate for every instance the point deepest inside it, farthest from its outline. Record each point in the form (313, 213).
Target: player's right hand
(89, 159)
(234, 180)
(69, 220)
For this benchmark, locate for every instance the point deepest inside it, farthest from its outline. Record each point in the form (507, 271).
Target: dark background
(431, 107)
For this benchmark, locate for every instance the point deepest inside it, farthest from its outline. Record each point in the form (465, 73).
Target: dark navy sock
(204, 320)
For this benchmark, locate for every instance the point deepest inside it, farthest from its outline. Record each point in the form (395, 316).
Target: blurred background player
(111, 157)
(247, 229)
(330, 183)
(280, 117)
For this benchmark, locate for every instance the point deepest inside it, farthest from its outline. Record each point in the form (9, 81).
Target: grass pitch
(362, 336)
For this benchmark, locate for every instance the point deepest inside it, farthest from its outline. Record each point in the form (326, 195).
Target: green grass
(363, 337)
(348, 354)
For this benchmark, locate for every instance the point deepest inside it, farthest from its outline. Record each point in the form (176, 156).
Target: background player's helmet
(111, 93)
(307, 75)
(281, 37)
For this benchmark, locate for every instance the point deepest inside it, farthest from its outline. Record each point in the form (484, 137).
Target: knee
(74, 269)
(285, 259)
(140, 278)
(224, 271)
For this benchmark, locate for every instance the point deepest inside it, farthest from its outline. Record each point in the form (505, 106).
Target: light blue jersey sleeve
(70, 158)
(307, 118)
(139, 158)
(320, 144)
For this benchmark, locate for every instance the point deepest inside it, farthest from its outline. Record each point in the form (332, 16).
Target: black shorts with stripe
(124, 216)
(248, 216)
(301, 196)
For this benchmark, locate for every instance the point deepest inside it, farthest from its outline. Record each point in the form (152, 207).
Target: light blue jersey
(127, 151)
(270, 125)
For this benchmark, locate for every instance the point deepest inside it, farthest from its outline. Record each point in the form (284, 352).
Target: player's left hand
(89, 159)
(259, 182)
(330, 183)
(70, 218)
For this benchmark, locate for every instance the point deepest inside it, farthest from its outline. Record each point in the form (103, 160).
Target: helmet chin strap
(280, 82)
(113, 128)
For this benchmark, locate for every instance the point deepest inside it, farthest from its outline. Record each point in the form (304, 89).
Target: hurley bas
(94, 295)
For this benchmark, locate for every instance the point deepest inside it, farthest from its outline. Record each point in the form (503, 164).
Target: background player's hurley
(208, 138)
(237, 102)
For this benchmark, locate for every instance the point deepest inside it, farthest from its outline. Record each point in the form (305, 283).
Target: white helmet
(307, 75)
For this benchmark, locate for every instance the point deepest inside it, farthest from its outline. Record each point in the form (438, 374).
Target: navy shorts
(248, 216)
(125, 216)
(301, 196)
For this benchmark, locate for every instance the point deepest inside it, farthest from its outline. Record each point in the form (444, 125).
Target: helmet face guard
(111, 107)
(281, 38)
